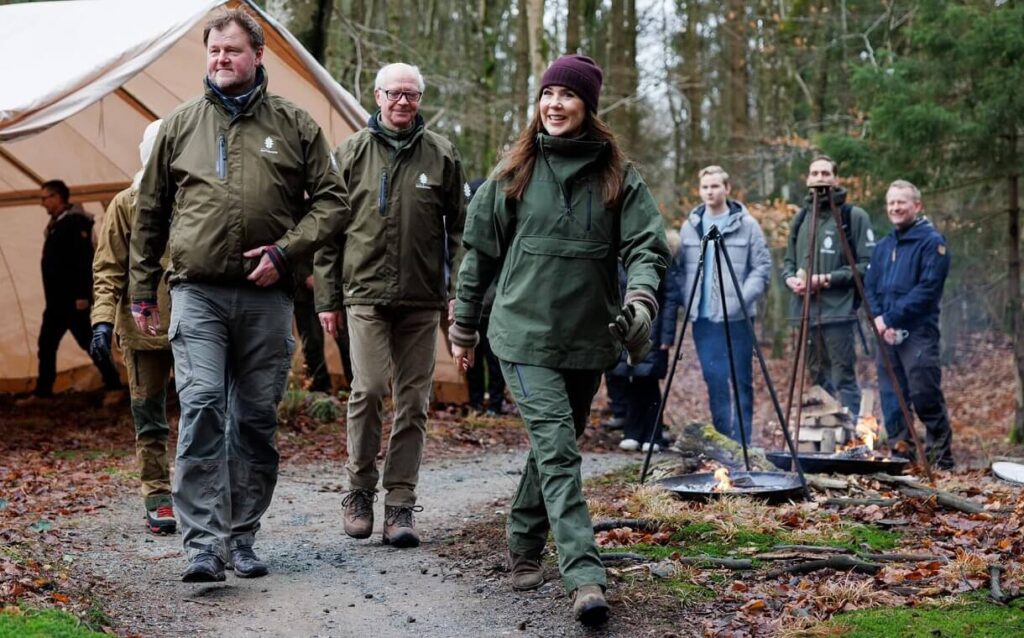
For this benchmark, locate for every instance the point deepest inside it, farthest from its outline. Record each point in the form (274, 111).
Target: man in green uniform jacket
(833, 311)
(226, 191)
(408, 198)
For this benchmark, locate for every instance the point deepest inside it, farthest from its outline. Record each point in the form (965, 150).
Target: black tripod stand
(715, 237)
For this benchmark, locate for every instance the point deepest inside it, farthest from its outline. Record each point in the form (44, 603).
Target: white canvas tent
(75, 110)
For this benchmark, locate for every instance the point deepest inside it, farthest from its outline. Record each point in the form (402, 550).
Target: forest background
(926, 90)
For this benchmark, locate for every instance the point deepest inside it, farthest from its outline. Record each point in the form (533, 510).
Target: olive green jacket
(218, 185)
(402, 245)
(834, 304)
(555, 255)
(110, 278)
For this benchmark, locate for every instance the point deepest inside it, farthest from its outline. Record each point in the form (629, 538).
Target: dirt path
(323, 583)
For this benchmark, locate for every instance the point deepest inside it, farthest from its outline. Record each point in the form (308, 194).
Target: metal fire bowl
(822, 463)
(774, 487)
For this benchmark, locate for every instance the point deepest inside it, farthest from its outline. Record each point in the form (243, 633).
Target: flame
(724, 483)
(867, 430)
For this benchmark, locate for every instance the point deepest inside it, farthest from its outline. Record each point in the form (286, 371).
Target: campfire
(863, 445)
(724, 482)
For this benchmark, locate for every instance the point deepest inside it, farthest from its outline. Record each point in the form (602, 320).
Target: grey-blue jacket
(748, 250)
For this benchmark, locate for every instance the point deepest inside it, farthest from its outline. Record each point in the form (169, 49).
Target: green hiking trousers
(554, 405)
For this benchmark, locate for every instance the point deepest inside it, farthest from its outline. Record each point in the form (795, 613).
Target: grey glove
(463, 336)
(632, 326)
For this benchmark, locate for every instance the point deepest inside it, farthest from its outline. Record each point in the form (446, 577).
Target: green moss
(964, 620)
(625, 474)
(48, 623)
(856, 537)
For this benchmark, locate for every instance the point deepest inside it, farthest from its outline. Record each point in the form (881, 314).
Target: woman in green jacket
(558, 214)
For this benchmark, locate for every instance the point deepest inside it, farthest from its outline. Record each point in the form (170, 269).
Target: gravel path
(323, 583)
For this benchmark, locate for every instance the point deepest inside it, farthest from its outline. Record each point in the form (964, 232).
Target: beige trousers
(392, 353)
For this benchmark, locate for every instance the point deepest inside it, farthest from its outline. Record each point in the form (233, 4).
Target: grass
(627, 474)
(970, 619)
(28, 623)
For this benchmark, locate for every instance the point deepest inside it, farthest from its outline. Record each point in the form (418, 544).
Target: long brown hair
(518, 163)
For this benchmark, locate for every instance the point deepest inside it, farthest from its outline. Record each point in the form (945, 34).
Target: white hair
(146, 148)
(388, 69)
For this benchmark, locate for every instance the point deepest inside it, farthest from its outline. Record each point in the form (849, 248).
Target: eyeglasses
(394, 96)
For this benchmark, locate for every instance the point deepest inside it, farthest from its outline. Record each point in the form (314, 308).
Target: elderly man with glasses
(390, 270)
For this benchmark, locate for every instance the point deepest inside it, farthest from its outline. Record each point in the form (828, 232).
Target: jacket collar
(921, 227)
(374, 126)
(838, 196)
(241, 104)
(569, 158)
(736, 212)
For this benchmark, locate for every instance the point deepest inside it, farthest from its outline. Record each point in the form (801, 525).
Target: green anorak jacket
(555, 255)
(219, 184)
(110, 278)
(834, 304)
(408, 209)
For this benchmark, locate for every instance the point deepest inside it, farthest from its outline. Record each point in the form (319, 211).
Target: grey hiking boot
(527, 573)
(400, 526)
(589, 606)
(359, 513)
(204, 568)
(246, 563)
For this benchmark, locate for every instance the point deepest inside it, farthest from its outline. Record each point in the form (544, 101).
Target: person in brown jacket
(147, 357)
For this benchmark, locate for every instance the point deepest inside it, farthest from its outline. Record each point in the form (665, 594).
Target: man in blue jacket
(904, 287)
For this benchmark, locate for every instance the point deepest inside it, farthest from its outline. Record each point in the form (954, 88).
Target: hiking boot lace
(165, 511)
(361, 501)
(402, 516)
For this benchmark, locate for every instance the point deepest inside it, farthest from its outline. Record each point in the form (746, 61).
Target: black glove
(633, 327)
(102, 334)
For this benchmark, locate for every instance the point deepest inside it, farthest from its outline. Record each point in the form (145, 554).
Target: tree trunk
(521, 82)
(736, 54)
(572, 26)
(691, 87)
(1014, 296)
(535, 21)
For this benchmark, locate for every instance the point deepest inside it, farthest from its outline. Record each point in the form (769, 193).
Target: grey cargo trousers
(232, 350)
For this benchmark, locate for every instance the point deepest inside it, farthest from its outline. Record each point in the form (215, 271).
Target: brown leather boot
(359, 513)
(400, 526)
(527, 573)
(590, 607)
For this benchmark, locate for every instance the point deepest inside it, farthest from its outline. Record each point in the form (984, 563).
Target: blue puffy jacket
(906, 276)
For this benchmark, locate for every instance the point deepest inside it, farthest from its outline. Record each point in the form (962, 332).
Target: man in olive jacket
(225, 193)
(147, 357)
(833, 311)
(408, 199)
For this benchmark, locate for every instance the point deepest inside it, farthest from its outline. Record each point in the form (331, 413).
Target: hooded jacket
(110, 278)
(408, 210)
(834, 304)
(67, 259)
(219, 184)
(907, 274)
(748, 251)
(555, 255)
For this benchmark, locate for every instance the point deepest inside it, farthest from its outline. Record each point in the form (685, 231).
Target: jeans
(712, 349)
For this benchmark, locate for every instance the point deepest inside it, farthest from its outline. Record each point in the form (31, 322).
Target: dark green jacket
(217, 186)
(406, 228)
(555, 256)
(835, 303)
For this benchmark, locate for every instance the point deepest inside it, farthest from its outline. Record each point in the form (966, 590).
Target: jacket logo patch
(268, 146)
(421, 181)
(826, 245)
(467, 190)
(871, 235)
(942, 249)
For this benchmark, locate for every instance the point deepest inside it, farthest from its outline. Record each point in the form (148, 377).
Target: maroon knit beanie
(576, 72)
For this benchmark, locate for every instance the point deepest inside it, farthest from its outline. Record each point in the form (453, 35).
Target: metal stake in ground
(783, 422)
(799, 363)
(675, 359)
(886, 362)
(728, 344)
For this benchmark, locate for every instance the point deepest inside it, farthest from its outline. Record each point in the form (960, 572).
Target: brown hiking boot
(400, 526)
(590, 607)
(359, 513)
(527, 573)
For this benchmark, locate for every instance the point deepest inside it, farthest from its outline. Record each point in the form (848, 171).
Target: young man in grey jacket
(748, 251)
